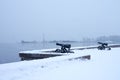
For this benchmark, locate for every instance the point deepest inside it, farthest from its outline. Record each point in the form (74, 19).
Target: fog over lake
(58, 19)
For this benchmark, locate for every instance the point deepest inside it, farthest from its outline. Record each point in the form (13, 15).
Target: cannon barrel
(102, 43)
(64, 45)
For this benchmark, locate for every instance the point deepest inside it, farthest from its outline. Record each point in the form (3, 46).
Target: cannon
(65, 48)
(103, 46)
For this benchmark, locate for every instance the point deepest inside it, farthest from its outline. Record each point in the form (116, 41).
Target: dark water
(9, 52)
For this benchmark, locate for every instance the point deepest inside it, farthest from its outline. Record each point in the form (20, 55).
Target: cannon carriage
(103, 46)
(65, 48)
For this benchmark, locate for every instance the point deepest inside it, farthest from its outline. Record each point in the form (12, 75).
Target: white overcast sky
(58, 19)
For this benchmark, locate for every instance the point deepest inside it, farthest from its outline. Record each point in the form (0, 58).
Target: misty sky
(58, 19)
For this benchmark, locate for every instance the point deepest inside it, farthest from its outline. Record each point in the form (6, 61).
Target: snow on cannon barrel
(65, 48)
(103, 46)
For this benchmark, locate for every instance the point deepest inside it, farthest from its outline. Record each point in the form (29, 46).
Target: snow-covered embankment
(104, 65)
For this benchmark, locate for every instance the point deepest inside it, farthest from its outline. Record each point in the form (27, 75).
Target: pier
(40, 54)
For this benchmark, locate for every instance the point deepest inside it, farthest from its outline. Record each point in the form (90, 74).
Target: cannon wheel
(100, 48)
(109, 48)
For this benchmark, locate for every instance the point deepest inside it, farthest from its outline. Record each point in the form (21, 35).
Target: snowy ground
(104, 65)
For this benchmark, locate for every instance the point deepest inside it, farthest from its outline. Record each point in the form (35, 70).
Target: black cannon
(103, 46)
(65, 48)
